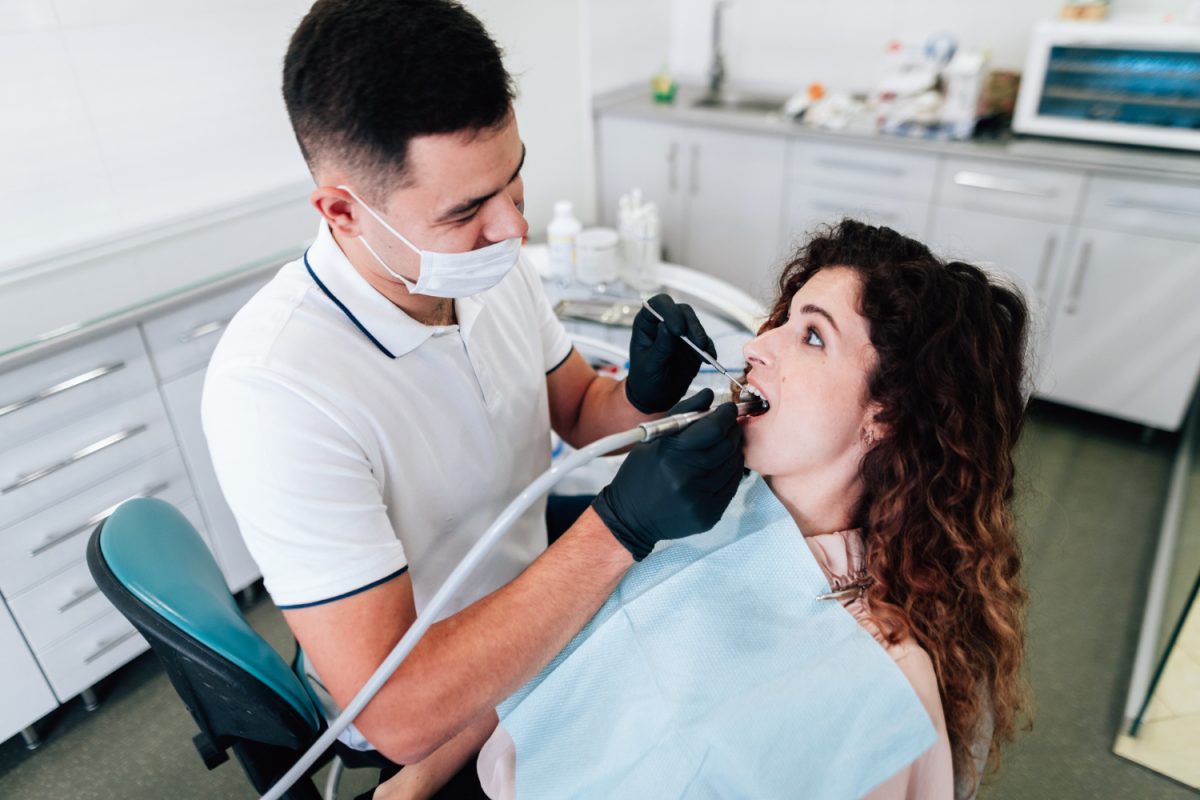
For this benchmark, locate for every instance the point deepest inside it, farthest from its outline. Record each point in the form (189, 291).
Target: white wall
(787, 44)
(123, 117)
(629, 41)
(128, 114)
(545, 51)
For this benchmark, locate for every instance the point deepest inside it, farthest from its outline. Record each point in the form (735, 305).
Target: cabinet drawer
(55, 538)
(871, 170)
(813, 206)
(1148, 207)
(184, 339)
(56, 466)
(66, 601)
(1025, 191)
(66, 386)
(24, 694)
(55, 607)
(86, 656)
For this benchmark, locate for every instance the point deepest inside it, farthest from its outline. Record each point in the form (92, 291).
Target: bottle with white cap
(562, 235)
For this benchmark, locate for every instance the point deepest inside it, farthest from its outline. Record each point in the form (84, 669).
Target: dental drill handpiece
(712, 362)
(677, 422)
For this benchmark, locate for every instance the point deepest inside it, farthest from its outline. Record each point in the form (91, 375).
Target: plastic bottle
(562, 235)
(643, 270)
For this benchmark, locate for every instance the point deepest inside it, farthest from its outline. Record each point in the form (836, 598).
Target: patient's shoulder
(917, 667)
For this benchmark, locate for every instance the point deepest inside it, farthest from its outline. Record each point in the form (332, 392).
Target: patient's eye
(814, 338)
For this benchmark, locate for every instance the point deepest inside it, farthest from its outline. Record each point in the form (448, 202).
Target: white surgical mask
(450, 275)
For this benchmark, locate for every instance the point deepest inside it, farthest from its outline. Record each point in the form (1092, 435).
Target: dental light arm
(644, 432)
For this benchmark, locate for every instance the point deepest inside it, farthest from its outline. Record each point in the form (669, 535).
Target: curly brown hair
(941, 545)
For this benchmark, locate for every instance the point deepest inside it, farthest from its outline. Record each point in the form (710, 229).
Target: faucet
(716, 70)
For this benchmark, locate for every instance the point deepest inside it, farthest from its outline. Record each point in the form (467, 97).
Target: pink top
(930, 777)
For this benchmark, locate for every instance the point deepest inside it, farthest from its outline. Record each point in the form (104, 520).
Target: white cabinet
(1015, 219)
(181, 344)
(735, 194)
(720, 194)
(635, 153)
(1014, 190)
(809, 207)
(1111, 263)
(828, 182)
(24, 694)
(1031, 251)
(182, 396)
(1126, 334)
(82, 430)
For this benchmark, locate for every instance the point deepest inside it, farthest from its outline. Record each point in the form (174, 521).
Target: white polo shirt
(354, 443)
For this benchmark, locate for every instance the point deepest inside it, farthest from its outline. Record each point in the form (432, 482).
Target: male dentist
(379, 402)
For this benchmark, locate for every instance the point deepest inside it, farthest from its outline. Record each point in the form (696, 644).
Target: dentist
(375, 406)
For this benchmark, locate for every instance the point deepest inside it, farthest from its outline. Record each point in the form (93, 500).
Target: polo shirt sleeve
(556, 342)
(300, 487)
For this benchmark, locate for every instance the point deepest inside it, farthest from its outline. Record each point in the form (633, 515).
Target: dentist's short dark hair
(362, 78)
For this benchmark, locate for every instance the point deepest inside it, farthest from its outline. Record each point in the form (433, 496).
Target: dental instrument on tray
(645, 432)
(712, 362)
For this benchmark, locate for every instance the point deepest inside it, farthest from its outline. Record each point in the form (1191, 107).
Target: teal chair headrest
(160, 558)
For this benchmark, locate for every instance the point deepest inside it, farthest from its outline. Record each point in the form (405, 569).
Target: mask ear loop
(409, 284)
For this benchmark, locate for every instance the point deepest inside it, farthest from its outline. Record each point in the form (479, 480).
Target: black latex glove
(677, 485)
(661, 366)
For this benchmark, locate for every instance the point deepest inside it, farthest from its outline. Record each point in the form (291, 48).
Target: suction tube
(541, 485)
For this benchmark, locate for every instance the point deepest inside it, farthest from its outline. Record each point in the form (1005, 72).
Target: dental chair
(153, 566)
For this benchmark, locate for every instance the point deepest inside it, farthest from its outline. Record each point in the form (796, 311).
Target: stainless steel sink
(747, 105)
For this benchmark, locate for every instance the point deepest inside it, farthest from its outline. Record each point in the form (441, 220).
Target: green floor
(1090, 504)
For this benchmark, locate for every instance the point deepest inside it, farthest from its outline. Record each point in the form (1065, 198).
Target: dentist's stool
(153, 566)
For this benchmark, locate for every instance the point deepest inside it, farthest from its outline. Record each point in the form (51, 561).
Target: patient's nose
(757, 352)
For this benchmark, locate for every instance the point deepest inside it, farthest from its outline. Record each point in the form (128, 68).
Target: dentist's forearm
(605, 410)
(466, 664)
(424, 778)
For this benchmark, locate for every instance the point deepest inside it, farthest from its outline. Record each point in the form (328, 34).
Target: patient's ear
(874, 430)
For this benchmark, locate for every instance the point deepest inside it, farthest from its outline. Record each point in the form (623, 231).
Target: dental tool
(645, 432)
(712, 362)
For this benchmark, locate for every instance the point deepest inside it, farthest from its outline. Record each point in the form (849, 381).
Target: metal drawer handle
(91, 449)
(1085, 256)
(694, 171)
(980, 180)
(92, 521)
(1161, 208)
(200, 331)
(78, 598)
(110, 645)
(672, 167)
(1039, 288)
(859, 166)
(59, 388)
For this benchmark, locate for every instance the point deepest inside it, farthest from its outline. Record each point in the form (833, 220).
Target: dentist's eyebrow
(475, 202)
(811, 309)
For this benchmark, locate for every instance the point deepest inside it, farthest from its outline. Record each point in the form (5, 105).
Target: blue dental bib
(714, 672)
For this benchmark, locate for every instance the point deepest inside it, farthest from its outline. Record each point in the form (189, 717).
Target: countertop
(1141, 161)
(80, 295)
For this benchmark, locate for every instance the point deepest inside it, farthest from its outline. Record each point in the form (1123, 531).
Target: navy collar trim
(345, 310)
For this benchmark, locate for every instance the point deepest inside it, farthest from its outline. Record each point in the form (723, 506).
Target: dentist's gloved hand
(677, 485)
(661, 365)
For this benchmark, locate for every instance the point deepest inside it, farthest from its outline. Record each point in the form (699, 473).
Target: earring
(868, 437)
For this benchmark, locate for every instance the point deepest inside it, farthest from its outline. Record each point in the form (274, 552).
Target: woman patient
(895, 388)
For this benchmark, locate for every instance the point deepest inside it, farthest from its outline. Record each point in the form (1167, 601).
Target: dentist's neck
(422, 308)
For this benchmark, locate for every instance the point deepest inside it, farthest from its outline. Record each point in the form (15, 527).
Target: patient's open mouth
(751, 405)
